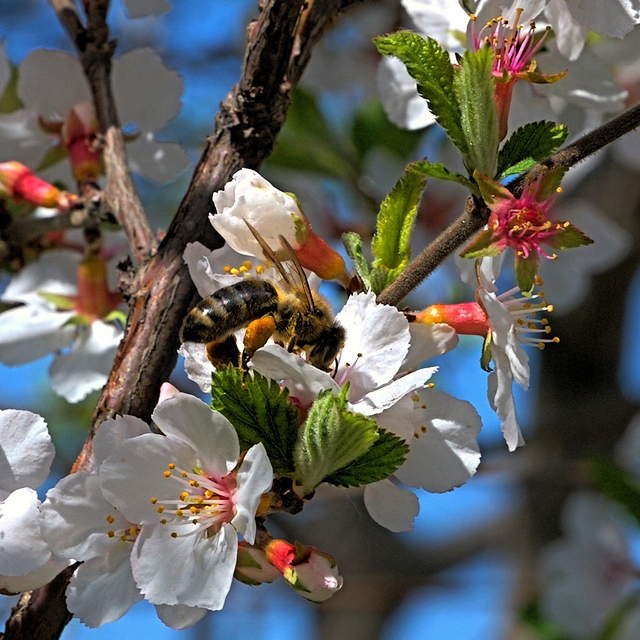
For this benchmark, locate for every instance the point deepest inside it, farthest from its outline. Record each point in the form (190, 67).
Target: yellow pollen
(110, 519)
(111, 533)
(194, 483)
(163, 521)
(556, 339)
(179, 512)
(200, 500)
(544, 321)
(194, 510)
(160, 508)
(174, 534)
(416, 434)
(554, 256)
(234, 272)
(539, 281)
(423, 428)
(530, 325)
(171, 465)
(133, 531)
(208, 493)
(549, 308)
(415, 397)
(541, 346)
(184, 474)
(247, 264)
(167, 474)
(259, 269)
(183, 496)
(473, 17)
(547, 329)
(430, 385)
(154, 500)
(243, 269)
(520, 321)
(123, 538)
(227, 268)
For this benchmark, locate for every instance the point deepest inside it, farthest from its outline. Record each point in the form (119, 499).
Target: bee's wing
(303, 283)
(270, 255)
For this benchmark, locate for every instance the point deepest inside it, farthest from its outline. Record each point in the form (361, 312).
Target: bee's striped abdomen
(228, 309)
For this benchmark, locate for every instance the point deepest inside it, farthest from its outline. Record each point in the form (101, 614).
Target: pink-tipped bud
(94, 300)
(78, 135)
(252, 566)
(20, 184)
(311, 572)
(466, 318)
(317, 256)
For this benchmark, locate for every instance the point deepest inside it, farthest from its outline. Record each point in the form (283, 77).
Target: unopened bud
(19, 183)
(252, 566)
(466, 318)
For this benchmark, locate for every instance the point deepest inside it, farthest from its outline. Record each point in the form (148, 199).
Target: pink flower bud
(466, 318)
(311, 572)
(20, 184)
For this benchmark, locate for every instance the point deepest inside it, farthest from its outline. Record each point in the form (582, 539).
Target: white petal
(196, 364)
(146, 92)
(428, 341)
(22, 138)
(303, 380)
(399, 96)
(569, 34)
(55, 271)
(102, 589)
(615, 19)
(179, 616)
(140, 8)
(206, 267)
(76, 518)
(501, 399)
(157, 161)
(390, 506)
(22, 548)
(86, 367)
(51, 82)
(254, 478)
(114, 431)
(188, 419)
(35, 579)
(134, 474)
(29, 332)
(26, 450)
(447, 454)
(377, 342)
(380, 399)
(438, 19)
(191, 569)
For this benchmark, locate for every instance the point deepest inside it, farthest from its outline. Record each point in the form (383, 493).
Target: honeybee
(290, 312)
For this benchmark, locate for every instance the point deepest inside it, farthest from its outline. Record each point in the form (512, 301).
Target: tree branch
(476, 213)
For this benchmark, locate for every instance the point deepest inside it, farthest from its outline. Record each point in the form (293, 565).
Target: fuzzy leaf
(439, 171)
(379, 278)
(429, 65)
(526, 271)
(530, 144)
(331, 438)
(548, 183)
(481, 247)
(260, 412)
(353, 244)
(490, 190)
(391, 244)
(379, 462)
(569, 238)
(475, 92)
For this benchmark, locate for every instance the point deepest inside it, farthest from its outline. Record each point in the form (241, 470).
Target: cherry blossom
(191, 498)
(26, 560)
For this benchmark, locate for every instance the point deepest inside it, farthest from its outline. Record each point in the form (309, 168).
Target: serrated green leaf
(617, 485)
(331, 437)
(379, 278)
(569, 238)
(439, 171)
(306, 143)
(260, 412)
(9, 101)
(391, 243)
(429, 65)
(379, 462)
(474, 87)
(353, 244)
(528, 145)
(526, 271)
(371, 129)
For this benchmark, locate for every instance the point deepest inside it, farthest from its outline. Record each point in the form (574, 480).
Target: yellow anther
(200, 500)
(526, 305)
(184, 495)
(184, 474)
(234, 272)
(549, 308)
(110, 519)
(243, 269)
(111, 533)
(123, 538)
(154, 500)
(194, 483)
(556, 339)
(247, 264)
(171, 465)
(179, 512)
(226, 268)
(430, 385)
(547, 329)
(415, 397)
(174, 534)
(473, 17)
(541, 346)
(160, 508)
(259, 269)
(194, 510)
(167, 474)
(539, 281)
(163, 521)
(424, 406)
(544, 321)
(208, 493)
(423, 428)
(520, 321)
(416, 434)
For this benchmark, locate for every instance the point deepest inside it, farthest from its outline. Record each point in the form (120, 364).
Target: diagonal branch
(476, 213)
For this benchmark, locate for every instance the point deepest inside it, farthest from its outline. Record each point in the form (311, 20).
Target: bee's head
(326, 348)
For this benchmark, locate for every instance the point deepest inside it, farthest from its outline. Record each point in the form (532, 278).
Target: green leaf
(429, 65)
(53, 155)
(306, 143)
(617, 485)
(569, 238)
(548, 183)
(545, 629)
(379, 462)
(526, 271)
(391, 243)
(490, 190)
(260, 412)
(9, 100)
(353, 244)
(371, 129)
(61, 302)
(481, 247)
(439, 171)
(331, 437)
(474, 87)
(379, 278)
(528, 145)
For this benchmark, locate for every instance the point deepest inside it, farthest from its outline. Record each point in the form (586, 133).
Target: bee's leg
(256, 336)
(223, 352)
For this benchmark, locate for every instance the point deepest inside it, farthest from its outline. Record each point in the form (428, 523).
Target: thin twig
(476, 213)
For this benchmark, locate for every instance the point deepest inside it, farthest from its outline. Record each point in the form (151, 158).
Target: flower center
(202, 500)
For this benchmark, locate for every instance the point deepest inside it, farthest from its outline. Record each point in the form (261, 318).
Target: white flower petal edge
(179, 616)
(391, 507)
(196, 364)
